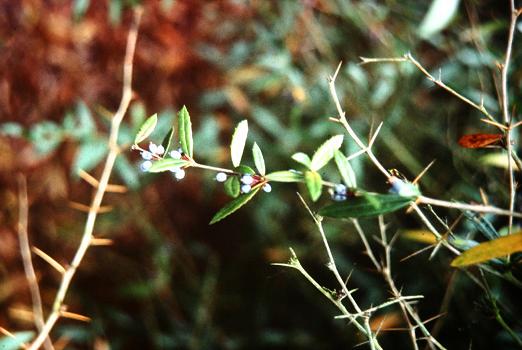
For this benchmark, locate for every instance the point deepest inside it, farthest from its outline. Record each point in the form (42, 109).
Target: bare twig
(114, 150)
(25, 251)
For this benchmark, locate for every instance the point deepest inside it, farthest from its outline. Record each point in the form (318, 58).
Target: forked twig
(114, 150)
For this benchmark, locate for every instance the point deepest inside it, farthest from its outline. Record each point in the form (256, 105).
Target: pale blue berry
(175, 169)
(153, 148)
(245, 188)
(180, 174)
(160, 150)
(175, 154)
(221, 177)
(338, 197)
(145, 166)
(146, 155)
(267, 188)
(340, 189)
(247, 179)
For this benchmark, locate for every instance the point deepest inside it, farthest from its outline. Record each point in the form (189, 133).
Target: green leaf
(45, 136)
(185, 132)
(15, 342)
(439, 15)
(244, 169)
(238, 142)
(232, 186)
(325, 152)
(302, 158)
(146, 128)
(482, 224)
(285, 176)
(89, 154)
(489, 250)
(366, 205)
(259, 161)
(167, 164)
(167, 142)
(314, 183)
(234, 205)
(345, 169)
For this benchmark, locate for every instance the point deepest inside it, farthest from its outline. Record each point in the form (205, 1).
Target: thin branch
(472, 207)
(25, 251)
(114, 150)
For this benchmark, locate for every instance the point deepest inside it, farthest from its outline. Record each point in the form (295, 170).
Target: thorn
(374, 137)
(95, 183)
(332, 79)
(416, 253)
(423, 172)
(55, 264)
(491, 122)
(85, 208)
(101, 241)
(75, 316)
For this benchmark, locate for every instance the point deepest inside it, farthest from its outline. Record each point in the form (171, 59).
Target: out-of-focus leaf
(234, 205)
(127, 172)
(232, 186)
(15, 342)
(314, 184)
(366, 205)
(302, 158)
(285, 176)
(146, 128)
(80, 8)
(185, 132)
(496, 159)
(167, 164)
(45, 136)
(345, 169)
(482, 224)
(326, 152)
(89, 154)
(11, 129)
(238, 142)
(438, 17)
(496, 248)
(259, 161)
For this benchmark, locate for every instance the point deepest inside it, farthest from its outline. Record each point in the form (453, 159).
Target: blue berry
(153, 148)
(175, 154)
(221, 177)
(247, 179)
(245, 188)
(145, 166)
(160, 150)
(146, 155)
(180, 174)
(267, 188)
(340, 189)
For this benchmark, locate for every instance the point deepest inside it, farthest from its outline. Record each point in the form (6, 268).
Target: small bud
(175, 154)
(180, 174)
(145, 166)
(146, 155)
(247, 179)
(153, 147)
(245, 188)
(160, 150)
(221, 177)
(267, 188)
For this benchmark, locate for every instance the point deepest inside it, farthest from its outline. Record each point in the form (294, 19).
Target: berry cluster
(156, 152)
(247, 181)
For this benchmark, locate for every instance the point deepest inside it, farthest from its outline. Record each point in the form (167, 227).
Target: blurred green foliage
(170, 281)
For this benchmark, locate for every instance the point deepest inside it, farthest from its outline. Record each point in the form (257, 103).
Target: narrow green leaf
(482, 224)
(185, 132)
(489, 250)
(234, 205)
(366, 205)
(232, 186)
(345, 169)
(439, 15)
(146, 128)
(314, 184)
(259, 161)
(325, 152)
(302, 158)
(167, 142)
(285, 176)
(167, 164)
(238, 142)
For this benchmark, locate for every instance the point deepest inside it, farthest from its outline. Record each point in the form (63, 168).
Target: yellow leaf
(489, 250)
(422, 236)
